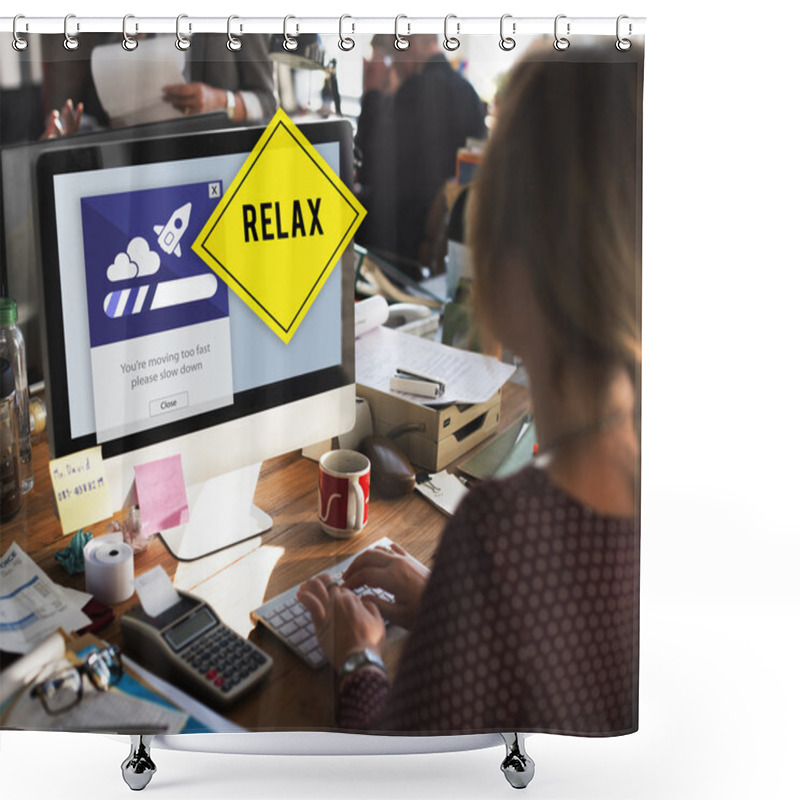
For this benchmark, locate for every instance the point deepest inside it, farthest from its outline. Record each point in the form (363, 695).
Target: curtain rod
(346, 25)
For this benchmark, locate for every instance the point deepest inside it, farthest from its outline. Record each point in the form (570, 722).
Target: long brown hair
(559, 192)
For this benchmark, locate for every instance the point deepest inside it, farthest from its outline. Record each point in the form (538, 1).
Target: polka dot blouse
(530, 622)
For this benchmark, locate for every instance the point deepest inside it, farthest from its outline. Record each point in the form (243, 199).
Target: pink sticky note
(162, 494)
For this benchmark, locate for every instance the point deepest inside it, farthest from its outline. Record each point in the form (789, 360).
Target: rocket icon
(169, 235)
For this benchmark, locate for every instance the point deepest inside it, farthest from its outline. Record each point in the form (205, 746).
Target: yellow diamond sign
(281, 227)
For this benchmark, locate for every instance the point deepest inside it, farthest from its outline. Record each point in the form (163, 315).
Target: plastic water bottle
(10, 487)
(12, 349)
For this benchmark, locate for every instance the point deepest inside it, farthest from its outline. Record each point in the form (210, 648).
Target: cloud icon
(139, 261)
(122, 268)
(146, 259)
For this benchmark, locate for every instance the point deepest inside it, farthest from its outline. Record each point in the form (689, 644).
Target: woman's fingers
(380, 608)
(314, 594)
(312, 603)
(374, 558)
(367, 576)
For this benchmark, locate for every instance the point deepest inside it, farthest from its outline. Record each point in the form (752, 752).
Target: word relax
(305, 221)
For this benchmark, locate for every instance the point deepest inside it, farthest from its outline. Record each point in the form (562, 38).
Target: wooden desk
(240, 578)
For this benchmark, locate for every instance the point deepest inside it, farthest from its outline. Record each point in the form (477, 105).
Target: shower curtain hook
(181, 42)
(129, 43)
(345, 42)
(451, 42)
(506, 42)
(19, 43)
(289, 42)
(561, 43)
(400, 42)
(623, 45)
(70, 42)
(233, 44)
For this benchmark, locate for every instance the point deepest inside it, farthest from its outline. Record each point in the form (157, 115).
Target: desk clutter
(177, 638)
(80, 683)
(432, 437)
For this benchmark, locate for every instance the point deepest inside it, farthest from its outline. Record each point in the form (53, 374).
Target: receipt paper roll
(109, 568)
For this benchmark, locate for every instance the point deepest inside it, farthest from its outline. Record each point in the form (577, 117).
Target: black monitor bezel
(132, 152)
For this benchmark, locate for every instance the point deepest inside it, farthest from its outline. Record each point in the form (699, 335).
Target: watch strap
(358, 660)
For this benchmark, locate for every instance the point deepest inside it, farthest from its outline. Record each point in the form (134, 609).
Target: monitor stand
(221, 514)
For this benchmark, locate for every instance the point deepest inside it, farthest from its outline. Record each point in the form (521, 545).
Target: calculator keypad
(223, 658)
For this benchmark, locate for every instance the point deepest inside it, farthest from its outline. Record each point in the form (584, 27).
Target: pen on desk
(526, 423)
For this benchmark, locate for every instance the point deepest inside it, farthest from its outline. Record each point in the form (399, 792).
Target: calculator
(188, 645)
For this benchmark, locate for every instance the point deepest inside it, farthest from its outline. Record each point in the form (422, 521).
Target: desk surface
(239, 579)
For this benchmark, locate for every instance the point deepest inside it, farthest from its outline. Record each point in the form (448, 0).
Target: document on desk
(444, 490)
(129, 83)
(193, 707)
(114, 711)
(31, 605)
(468, 377)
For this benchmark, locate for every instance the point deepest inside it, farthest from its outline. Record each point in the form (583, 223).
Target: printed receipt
(31, 605)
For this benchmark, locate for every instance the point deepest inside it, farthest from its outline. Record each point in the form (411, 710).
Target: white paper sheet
(130, 83)
(26, 669)
(31, 605)
(469, 377)
(76, 596)
(113, 711)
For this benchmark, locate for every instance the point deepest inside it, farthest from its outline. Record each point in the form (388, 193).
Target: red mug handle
(355, 511)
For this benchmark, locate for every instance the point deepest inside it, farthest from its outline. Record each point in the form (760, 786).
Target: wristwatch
(230, 106)
(360, 658)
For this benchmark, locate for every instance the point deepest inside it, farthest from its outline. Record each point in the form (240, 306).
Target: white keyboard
(287, 618)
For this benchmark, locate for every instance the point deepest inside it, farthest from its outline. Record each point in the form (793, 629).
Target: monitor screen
(148, 352)
(19, 254)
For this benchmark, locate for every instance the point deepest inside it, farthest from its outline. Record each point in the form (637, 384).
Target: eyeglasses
(64, 690)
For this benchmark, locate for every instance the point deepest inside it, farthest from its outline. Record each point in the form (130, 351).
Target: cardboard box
(432, 437)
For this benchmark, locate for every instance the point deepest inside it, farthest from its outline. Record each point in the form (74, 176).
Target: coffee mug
(343, 496)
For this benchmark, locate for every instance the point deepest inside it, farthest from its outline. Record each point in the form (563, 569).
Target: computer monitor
(19, 253)
(202, 377)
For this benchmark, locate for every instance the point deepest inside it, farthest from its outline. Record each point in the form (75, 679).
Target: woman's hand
(343, 622)
(64, 122)
(393, 570)
(195, 98)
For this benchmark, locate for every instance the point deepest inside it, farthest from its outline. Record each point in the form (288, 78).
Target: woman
(529, 619)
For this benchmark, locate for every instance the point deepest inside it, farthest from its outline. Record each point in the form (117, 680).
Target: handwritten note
(81, 489)
(161, 491)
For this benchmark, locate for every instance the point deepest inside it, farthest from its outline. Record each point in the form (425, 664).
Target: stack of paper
(468, 377)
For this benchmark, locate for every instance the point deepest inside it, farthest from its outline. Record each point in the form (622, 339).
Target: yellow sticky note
(81, 489)
(281, 227)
